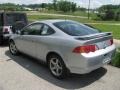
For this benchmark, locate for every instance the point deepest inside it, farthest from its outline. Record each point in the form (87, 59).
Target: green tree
(109, 12)
(66, 6)
(55, 4)
(11, 7)
(73, 7)
(43, 5)
(109, 15)
(117, 16)
(50, 6)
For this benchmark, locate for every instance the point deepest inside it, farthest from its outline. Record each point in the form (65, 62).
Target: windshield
(11, 19)
(74, 28)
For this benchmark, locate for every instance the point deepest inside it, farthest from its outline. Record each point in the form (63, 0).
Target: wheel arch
(11, 40)
(53, 53)
(65, 63)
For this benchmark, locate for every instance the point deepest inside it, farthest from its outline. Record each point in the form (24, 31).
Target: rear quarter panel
(60, 45)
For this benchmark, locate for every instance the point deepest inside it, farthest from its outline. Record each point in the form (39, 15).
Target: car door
(43, 43)
(26, 41)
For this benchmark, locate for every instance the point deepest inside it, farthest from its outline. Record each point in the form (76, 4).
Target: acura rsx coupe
(66, 46)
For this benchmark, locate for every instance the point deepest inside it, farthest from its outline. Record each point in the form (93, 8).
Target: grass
(44, 17)
(76, 13)
(82, 20)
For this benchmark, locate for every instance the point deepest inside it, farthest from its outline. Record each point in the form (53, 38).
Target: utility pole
(89, 10)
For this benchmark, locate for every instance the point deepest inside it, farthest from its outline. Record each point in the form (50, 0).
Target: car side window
(33, 29)
(46, 30)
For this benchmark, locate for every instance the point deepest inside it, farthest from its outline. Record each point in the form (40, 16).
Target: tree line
(11, 7)
(105, 12)
(109, 12)
(61, 5)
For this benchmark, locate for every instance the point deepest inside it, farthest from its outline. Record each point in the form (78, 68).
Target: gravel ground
(24, 73)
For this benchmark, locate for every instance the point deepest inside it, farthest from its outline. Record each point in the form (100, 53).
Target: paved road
(117, 43)
(23, 73)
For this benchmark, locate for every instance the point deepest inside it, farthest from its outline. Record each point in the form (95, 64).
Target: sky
(82, 3)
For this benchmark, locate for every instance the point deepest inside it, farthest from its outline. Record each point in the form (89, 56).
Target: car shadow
(74, 81)
(4, 45)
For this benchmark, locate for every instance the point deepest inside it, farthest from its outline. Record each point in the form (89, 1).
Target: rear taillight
(111, 41)
(5, 30)
(85, 49)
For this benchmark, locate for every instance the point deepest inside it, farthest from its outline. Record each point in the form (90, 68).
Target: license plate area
(107, 58)
(103, 44)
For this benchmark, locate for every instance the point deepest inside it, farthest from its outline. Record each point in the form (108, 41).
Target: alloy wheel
(13, 48)
(56, 66)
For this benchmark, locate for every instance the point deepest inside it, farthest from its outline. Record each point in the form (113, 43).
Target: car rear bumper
(86, 63)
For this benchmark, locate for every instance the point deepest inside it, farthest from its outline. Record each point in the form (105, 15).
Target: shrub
(117, 16)
(108, 15)
(116, 59)
(99, 17)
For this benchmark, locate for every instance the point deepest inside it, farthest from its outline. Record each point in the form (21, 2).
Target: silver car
(66, 46)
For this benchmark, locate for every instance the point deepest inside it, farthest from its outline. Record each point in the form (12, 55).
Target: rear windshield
(11, 19)
(74, 28)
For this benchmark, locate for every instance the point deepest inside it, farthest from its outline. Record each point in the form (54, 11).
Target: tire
(57, 67)
(12, 48)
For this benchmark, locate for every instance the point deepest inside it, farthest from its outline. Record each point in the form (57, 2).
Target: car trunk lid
(101, 40)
